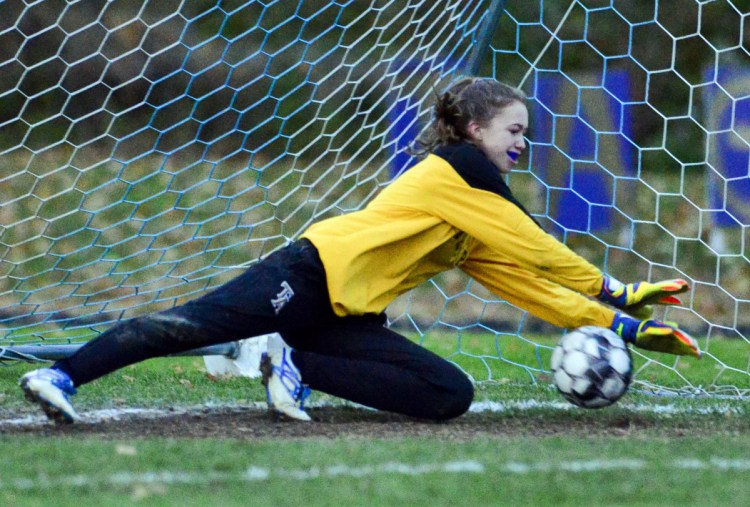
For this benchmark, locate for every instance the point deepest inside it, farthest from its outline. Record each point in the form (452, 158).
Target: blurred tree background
(97, 67)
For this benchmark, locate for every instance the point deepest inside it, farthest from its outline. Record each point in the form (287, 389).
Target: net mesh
(639, 161)
(148, 149)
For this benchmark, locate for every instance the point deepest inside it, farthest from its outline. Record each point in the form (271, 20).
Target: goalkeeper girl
(325, 293)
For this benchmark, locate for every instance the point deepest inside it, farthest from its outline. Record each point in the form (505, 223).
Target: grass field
(210, 444)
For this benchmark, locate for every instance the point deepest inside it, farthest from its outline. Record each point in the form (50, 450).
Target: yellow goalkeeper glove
(636, 298)
(655, 335)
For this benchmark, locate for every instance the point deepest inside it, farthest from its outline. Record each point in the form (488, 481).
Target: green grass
(515, 471)
(523, 359)
(178, 381)
(646, 450)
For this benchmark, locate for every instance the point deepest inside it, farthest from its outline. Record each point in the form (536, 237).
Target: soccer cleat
(50, 389)
(284, 388)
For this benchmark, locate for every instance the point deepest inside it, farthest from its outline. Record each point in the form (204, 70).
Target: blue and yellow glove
(636, 298)
(655, 335)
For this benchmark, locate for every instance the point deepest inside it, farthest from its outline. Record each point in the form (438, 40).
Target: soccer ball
(592, 367)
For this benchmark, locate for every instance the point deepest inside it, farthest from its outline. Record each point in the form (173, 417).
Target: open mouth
(513, 155)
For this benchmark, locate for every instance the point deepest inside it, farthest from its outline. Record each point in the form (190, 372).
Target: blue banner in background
(404, 128)
(403, 116)
(728, 122)
(580, 146)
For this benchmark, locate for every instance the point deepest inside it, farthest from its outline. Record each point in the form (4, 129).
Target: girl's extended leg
(286, 291)
(360, 360)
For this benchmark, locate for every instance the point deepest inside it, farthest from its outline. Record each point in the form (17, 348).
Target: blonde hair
(469, 99)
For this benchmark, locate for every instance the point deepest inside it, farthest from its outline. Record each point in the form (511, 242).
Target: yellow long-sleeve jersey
(454, 210)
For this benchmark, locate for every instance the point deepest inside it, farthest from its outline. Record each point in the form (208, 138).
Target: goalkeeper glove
(637, 298)
(655, 335)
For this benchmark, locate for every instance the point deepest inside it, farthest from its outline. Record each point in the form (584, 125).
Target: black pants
(355, 358)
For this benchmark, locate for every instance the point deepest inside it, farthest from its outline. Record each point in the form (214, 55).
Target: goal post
(150, 149)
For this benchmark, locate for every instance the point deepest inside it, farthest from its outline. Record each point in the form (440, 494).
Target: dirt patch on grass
(345, 422)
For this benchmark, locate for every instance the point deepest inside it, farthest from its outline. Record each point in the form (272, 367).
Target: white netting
(639, 160)
(147, 147)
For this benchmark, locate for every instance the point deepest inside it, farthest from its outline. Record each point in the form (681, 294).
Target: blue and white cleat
(284, 388)
(50, 388)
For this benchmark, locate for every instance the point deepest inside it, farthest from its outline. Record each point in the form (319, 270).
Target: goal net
(150, 149)
(640, 159)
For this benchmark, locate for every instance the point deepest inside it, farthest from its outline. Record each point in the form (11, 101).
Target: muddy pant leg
(282, 293)
(131, 341)
(360, 360)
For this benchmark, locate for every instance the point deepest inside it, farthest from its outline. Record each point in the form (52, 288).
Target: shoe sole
(51, 411)
(266, 370)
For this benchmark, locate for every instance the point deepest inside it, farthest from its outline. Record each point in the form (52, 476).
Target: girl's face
(501, 139)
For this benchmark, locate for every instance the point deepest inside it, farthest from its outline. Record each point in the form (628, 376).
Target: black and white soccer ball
(592, 367)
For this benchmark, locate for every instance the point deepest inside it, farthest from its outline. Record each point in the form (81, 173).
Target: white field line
(587, 466)
(258, 474)
(250, 474)
(95, 416)
(115, 414)
(667, 409)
